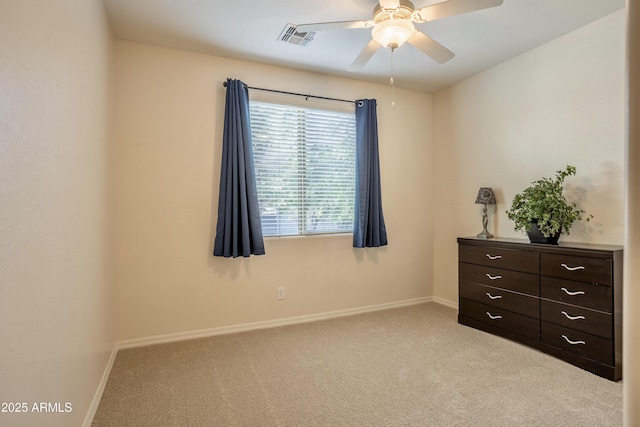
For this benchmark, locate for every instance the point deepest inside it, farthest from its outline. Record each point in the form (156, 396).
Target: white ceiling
(249, 29)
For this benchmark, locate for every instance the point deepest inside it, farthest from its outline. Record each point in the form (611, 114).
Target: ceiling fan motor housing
(404, 11)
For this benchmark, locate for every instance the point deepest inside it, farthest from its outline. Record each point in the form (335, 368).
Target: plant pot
(535, 236)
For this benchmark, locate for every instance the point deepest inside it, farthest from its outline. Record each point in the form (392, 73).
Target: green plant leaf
(543, 202)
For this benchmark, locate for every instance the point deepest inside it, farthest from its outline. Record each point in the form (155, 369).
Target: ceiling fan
(393, 24)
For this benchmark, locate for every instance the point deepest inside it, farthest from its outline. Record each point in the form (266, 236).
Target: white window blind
(305, 161)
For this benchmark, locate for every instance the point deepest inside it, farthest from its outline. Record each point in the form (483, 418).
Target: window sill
(303, 236)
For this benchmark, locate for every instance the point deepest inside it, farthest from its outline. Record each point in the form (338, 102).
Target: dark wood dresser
(565, 299)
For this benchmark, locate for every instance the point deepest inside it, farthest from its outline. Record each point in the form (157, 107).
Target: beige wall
(56, 303)
(631, 384)
(562, 103)
(170, 108)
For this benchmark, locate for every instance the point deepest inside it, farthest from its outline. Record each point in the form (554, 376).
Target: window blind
(304, 161)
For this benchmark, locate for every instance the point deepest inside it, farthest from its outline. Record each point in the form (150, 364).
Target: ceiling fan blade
(453, 7)
(389, 4)
(338, 25)
(365, 55)
(430, 47)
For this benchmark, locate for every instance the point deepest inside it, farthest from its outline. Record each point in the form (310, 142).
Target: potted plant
(542, 211)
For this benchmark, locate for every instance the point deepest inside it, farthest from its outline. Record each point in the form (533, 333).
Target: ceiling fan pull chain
(393, 101)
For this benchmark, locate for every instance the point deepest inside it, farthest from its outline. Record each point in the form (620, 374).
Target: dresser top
(507, 241)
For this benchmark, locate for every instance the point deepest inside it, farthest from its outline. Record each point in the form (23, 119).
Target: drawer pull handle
(494, 297)
(572, 268)
(572, 293)
(573, 342)
(492, 257)
(568, 316)
(492, 317)
(493, 277)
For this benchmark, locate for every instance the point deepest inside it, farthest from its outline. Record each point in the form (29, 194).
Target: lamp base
(485, 221)
(484, 235)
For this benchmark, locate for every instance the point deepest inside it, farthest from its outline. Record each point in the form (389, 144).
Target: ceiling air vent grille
(290, 35)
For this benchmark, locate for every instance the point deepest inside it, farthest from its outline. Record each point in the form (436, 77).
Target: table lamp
(485, 197)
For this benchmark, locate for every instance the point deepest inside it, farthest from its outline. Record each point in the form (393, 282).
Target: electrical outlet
(280, 294)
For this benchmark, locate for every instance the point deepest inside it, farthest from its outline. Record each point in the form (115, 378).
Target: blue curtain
(239, 231)
(368, 229)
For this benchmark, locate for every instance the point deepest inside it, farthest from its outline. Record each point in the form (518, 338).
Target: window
(305, 165)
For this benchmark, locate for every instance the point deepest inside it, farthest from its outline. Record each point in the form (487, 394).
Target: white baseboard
(103, 383)
(204, 333)
(445, 302)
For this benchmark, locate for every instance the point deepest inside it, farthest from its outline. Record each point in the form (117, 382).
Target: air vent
(290, 35)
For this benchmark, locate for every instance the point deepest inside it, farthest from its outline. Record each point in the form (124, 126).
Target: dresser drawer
(501, 299)
(504, 319)
(582, 319)
(590, 270)
(511, 259)
(525, 283)
(583, 294)
(580, 343)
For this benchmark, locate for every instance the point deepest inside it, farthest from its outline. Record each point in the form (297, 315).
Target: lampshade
(393, 32)
(485, 195)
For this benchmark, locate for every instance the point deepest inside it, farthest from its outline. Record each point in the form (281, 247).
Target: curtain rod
(296, 94)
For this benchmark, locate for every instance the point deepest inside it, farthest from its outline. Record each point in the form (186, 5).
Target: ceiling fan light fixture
(393, 32)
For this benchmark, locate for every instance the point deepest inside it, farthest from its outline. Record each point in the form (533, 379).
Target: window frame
(304, 106)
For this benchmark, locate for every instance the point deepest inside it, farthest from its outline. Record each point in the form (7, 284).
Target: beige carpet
(412, 366)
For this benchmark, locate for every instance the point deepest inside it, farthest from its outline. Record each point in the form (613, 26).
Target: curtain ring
(360, 103)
